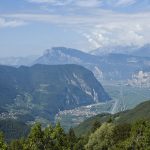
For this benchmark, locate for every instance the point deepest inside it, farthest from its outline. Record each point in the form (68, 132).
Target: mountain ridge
(44, 90)
(114, 66)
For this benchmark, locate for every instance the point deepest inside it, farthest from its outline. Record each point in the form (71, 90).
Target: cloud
(85, 3)
(77, 3)
(41, 1)
(125, 2)
(51, 2)
(125, 6)
(101, 29)
(80, 6)
(92, 40)
(11, 23)
(56, 19)
(115, 34)
(88, 3)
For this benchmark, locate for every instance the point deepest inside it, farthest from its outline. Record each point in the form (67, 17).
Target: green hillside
(142, 111)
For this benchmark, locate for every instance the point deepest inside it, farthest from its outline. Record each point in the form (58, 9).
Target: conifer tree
(3, 145)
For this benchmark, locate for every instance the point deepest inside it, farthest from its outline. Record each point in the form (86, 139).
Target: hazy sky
(30, 26)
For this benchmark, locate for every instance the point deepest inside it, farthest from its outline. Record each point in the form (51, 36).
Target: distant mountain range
(113, 66)
(119, 63)
(113, 49)
(41, 91)
(63, 55)
(142, 51)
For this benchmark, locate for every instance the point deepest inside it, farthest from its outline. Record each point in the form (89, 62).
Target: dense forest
(105, 136)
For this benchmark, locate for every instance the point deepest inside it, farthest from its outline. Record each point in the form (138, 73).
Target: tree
(17, 145)
(140, 136)
(95, 126)
(110, 120)
(79, 145)
(72, 139)
(3, 145)
(49, 143)
(101, 139)
(59, 137)
(35, 139)
(121, 132)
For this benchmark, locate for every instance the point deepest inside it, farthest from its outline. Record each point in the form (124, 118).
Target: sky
(28, 27)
